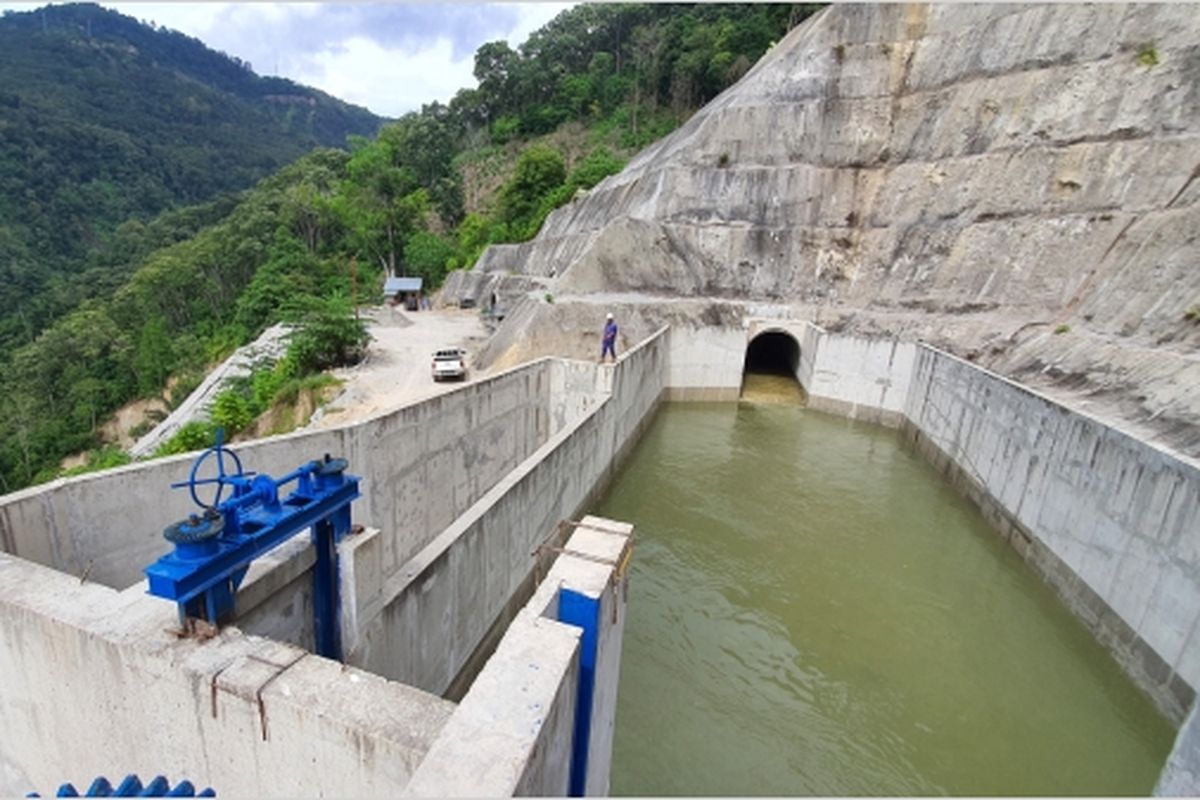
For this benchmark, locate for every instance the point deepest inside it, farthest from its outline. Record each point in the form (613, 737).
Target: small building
(403, 291)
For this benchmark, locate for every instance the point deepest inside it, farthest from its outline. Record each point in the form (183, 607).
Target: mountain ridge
(104, 119)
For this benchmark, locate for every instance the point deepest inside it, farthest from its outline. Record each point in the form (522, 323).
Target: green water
(812, 611)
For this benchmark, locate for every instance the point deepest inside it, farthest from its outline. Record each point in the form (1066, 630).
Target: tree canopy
(106, 296)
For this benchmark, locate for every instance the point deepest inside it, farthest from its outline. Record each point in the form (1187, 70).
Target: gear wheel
(195, 529)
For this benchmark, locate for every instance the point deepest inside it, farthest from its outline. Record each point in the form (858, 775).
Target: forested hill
(547, 121)
(104, 119)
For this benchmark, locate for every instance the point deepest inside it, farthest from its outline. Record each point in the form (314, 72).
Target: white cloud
(388, 81)
(406, 58)
(532, 16)
(390, 57)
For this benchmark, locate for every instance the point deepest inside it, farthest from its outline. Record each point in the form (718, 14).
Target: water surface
(812, 611)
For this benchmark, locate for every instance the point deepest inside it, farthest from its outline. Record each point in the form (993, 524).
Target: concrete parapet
(94, 681)
(516, 729)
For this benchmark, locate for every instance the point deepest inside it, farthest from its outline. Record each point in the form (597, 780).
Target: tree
(231, 411)
(495, 64)
(327, 334)
(598, 165)
(153, 361)
(540, 170)
(428, 255)
(380, 202)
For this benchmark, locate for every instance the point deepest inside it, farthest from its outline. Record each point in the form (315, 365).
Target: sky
(389, 57)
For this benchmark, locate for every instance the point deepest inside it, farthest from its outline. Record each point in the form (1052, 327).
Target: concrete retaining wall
(705, 363)
(427, 463)
(94, 684)
(855, 377)
(422, 624)
(1108, 520)
(517, 722)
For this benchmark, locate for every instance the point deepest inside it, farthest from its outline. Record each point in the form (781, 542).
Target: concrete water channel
(841, 622)
(815, 611)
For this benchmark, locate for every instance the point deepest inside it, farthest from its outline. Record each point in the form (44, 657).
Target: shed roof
(394, 285)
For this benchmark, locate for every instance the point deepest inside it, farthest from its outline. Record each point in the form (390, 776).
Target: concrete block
(520, 706)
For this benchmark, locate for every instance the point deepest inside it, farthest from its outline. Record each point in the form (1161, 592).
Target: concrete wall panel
(110, 524)
(704, 359)
(860, 378)
(1116, 516)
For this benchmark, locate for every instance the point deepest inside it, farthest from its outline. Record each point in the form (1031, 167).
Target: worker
(610, 339)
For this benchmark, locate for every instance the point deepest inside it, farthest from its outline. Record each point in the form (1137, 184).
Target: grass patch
(1148, 55)
(1064, 328)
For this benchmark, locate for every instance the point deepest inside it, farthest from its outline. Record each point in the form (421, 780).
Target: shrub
(141, 429)
(104, 458)
(231, 411)
(1148, 55)
(1064, 328)
(329, 335)
(191, 436)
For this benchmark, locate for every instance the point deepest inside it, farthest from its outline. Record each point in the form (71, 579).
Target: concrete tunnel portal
(772, 353)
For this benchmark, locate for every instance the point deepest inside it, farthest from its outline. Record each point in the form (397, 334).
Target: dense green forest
(106, 120)
(425, 196)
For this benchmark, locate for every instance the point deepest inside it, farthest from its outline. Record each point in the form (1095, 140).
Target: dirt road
(397, 368)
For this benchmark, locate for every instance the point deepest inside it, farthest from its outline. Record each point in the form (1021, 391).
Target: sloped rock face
(976, 176)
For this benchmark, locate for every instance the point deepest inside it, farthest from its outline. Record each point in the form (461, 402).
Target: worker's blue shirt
(610, 332)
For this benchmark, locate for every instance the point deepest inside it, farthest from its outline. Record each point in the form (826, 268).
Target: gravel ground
(397, 368)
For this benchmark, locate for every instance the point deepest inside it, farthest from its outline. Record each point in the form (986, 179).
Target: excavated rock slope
(1014, 183)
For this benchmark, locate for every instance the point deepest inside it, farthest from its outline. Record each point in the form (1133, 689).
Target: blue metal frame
(212, 552)
(582, 611)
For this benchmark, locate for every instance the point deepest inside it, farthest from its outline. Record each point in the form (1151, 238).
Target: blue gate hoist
(213, 549)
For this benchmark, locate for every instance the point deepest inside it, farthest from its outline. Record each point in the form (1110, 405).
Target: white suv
(450, 363)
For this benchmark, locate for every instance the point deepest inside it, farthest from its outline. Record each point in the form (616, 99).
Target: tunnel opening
(771, 370)
(773, 353)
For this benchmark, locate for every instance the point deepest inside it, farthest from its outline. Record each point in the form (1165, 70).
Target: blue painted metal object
(582, 611)
(132, 787)
(214, 549)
